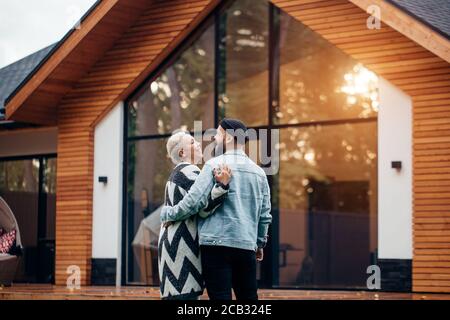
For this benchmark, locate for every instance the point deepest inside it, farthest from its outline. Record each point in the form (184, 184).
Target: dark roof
(434, 13)
(12, 75)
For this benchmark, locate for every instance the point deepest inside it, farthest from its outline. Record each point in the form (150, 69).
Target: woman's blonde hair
(174, 145)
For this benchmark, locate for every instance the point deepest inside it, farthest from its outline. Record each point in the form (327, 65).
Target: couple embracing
(215, 221)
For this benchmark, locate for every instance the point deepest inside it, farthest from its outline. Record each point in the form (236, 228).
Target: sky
(27, 26)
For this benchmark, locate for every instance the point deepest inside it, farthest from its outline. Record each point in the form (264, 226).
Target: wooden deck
(48, 292)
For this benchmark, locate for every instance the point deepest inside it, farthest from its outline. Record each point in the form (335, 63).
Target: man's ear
(228, 138)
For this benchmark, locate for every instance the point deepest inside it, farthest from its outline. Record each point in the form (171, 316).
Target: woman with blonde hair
(179, 260)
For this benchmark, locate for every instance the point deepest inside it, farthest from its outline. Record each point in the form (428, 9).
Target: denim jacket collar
(236, 151)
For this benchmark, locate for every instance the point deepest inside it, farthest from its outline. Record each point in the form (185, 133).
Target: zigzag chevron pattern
(178, 249)
(180, 231)
(180, 284)
(179, 259)
(177, 264)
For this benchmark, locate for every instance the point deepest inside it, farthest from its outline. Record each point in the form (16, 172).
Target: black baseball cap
(235, 127)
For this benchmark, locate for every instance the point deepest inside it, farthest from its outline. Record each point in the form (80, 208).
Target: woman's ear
(181, 153)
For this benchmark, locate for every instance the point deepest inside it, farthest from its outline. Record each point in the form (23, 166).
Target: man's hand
(223, 174)
(259, 254)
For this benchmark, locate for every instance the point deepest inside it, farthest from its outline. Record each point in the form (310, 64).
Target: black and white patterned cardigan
(180, 271)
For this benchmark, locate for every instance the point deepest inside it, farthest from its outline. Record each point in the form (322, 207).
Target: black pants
(225, 268)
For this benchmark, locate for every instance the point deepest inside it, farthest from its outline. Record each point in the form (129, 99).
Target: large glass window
(243, 66)
(148, 171)
(28, 185)
(327, 183)
(327, 195)
(183, 93)
(324, 104)
(318, 82)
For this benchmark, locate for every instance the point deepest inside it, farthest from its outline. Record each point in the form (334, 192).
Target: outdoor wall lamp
(103, 179)
(396, 165)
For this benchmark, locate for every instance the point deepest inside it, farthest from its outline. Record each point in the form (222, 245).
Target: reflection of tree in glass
(182, 94)
(21, 175)
(148, 170)
(318, 81)
(50, 175)
(243, 67)
(309, 154)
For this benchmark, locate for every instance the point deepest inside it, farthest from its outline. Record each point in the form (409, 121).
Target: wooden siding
(426, 78)
(158, 27)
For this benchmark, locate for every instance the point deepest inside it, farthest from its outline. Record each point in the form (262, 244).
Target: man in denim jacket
(232, 239)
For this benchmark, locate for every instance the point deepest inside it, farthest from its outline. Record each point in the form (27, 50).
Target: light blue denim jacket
(242, 221)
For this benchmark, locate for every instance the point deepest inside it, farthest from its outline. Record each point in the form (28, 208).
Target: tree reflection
(326, 190)
(243, 63)
(182, 94)
(318, 82)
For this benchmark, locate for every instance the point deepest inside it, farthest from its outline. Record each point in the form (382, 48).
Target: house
(358, 91)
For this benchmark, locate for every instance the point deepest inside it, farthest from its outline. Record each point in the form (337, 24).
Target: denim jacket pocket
(212, 227)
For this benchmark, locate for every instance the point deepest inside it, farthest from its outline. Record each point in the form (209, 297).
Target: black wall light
(103, 179)
(396, 165)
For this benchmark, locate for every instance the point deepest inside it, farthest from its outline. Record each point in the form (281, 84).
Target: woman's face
(191, 150)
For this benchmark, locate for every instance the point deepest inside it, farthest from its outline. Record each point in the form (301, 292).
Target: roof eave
(72, 39)
(400, 21)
